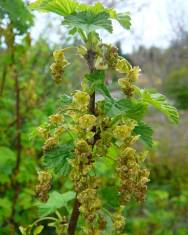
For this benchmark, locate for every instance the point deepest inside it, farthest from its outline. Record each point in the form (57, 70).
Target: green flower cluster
(93, 135)
(106, 57)
(51, 131)
(85, 132)
(57, 68)
(118, 222)
(44, 185)
(126, 83)
(133, 177)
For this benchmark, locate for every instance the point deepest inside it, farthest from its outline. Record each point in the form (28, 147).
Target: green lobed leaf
(57, 158)
(83, 16)
(98, 75)
(130, 108)
(145, 133)
(110, 195)
(55, 201)
(88, 21)
(159, 102)
(67, 7)
(124, 19)
(65, 100)
(60, 7)
(97, 83)
(96, 8)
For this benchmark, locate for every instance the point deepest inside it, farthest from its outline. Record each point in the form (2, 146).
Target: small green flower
(49, 143)
(122, 65)
(43, 132)
(87, 121)
(133, 74)
(44, 185)
(81, 99)
(122, 132)
(118, 222)
(55, 118)
(58, 55)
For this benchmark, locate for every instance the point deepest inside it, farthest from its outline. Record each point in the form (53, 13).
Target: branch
(3, 80)
(74, 217)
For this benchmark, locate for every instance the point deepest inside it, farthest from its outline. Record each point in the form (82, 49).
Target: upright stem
(14, 183)
(3, 80)
(74, 217)
(90, 56)
(18, 141)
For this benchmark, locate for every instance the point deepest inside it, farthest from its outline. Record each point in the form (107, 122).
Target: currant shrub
(93, 142)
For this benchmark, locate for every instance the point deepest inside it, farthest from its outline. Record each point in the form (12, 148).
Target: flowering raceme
(94, 142)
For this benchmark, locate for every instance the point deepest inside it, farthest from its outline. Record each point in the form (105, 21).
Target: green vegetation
(85, 133)
(92, 152)
(176, 86)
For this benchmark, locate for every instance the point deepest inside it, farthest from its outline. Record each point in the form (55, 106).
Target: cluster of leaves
(176, 87)
(82, 17)
(21, 18)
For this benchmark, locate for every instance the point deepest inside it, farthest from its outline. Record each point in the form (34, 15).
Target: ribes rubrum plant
(91, 141)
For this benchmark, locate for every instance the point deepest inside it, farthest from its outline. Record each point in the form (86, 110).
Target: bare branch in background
(178, 20)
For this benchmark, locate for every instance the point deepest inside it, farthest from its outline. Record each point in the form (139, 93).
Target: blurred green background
(159, 47)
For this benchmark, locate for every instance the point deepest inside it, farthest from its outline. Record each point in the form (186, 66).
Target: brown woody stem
(74, 217)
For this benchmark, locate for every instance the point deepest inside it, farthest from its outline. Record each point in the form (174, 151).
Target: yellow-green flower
(59, 131)
(122, 132)
(87, 121)
(43, 132)
(49, 143)
(81, 99)
(55, 118)
(122, 65)
(118, 222)
(58, 55)
(134, 73)
(124, 83)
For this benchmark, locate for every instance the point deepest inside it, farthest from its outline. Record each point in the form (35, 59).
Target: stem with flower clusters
(90, 56)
